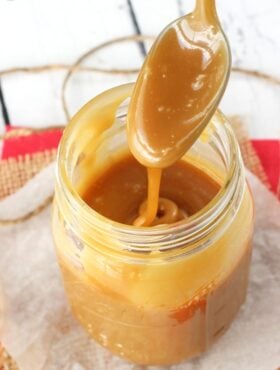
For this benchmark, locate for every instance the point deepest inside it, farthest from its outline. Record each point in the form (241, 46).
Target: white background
(37, 32)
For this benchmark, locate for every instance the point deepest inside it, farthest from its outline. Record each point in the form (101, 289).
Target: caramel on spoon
(178, 90)
(179, 87)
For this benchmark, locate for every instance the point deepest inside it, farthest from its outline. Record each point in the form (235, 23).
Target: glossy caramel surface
(119, 192)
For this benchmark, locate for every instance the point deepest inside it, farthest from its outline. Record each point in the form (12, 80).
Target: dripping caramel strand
(167, 213)
(149, 212)
(155, 210)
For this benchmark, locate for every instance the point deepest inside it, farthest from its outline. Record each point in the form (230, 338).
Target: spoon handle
(206, 11)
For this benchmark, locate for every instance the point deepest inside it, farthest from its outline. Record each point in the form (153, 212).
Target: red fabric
(269, 154)
(30, 144)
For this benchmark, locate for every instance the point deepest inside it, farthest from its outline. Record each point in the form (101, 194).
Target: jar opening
(218, 138)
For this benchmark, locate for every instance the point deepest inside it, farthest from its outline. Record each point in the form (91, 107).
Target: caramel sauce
(120, 192)
(176, 94)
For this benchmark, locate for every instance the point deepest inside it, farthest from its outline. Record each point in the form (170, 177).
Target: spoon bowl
(179, 87)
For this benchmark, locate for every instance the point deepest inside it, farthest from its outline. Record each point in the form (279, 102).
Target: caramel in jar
(152, 295)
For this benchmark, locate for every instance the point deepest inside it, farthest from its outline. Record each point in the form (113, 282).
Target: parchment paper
(39, 331)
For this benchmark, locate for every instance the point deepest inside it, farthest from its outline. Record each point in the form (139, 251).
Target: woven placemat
(15, 172)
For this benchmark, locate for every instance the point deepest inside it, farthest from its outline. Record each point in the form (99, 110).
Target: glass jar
(155, 295)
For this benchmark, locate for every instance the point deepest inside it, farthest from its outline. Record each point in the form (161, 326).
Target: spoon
(179, 87)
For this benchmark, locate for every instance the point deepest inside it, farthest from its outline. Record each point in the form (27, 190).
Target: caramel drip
(149, 211)
(155, 210)
(167, 212)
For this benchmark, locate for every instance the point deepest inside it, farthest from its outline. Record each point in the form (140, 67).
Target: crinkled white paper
(40, 333)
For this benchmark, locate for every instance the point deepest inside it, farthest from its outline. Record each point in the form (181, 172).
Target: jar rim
(159, 238)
